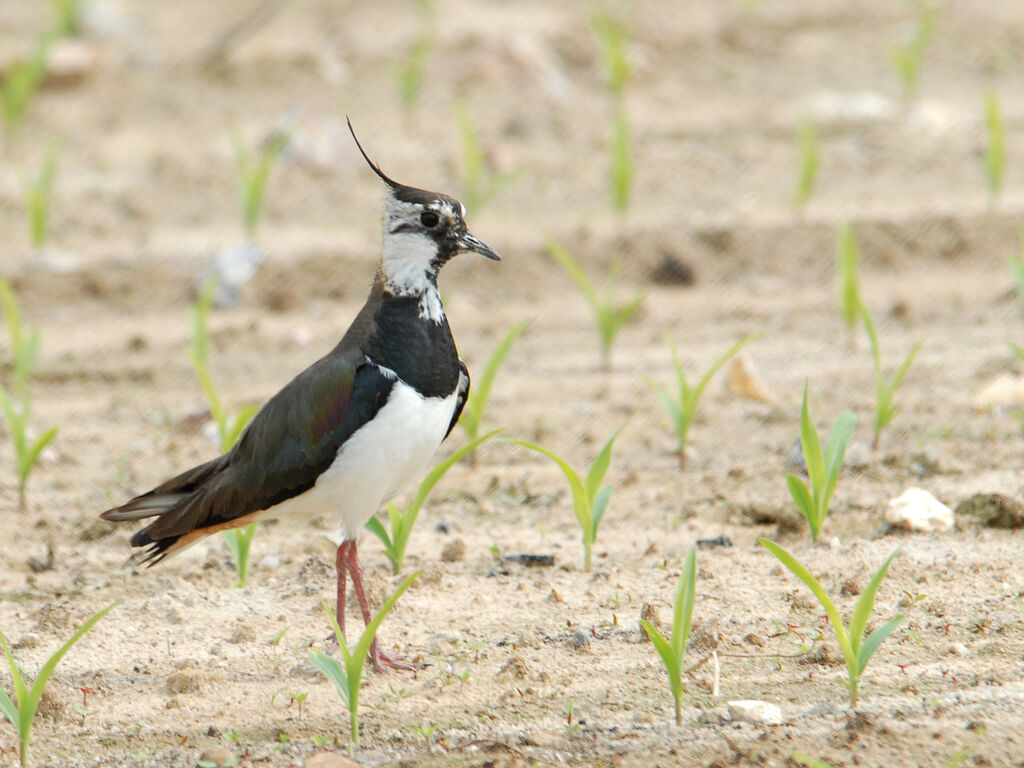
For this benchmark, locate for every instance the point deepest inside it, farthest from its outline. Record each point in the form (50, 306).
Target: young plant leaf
(589, 502)
(810, 159)
(823, 468)
(885, 391)
(995, 148)
(23, 712)
(610, 317)
(673, 649)
(403, 520)
(856, 650)
(346, 676)
(849, 276)
(684, 409)
(473, 412)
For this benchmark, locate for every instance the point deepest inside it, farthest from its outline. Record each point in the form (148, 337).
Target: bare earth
(146, 194)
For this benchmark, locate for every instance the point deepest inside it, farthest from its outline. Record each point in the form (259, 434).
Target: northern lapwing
(354, 428)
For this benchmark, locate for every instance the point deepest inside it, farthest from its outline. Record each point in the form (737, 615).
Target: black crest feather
(376, 168)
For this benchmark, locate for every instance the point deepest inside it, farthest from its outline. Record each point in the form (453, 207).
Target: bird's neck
(408, 268)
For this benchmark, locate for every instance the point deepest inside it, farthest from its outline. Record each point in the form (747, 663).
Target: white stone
(1004, 390)
(269, 561)
(917, 510)
(755, 712)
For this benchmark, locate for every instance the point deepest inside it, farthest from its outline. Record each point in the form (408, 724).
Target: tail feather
(142, 507)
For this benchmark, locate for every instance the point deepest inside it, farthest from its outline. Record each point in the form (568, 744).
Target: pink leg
(349, 560)
(340, 564)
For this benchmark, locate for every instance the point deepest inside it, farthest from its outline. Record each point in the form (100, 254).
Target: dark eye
(428, 219)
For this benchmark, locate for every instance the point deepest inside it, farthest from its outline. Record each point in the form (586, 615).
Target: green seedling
(229, 429)
(38, 191)
(1017, 268)
(15, 405)
(907, 59)
(885, 391)
(482, 182)
(26, 451)
(849, 276)
(22, 710)
(822, 467)
(24, 341)
(346, 677)
(683, 410)
(811, 762)
(995, 146)
(411, 70)
(609, 314)
(589, 499)
(857, 649)
(673, 648)
(21, 80)
(253, 172)
(810, 159)
(473, 413)
(403, 520)
(613, 37)
(67, 17)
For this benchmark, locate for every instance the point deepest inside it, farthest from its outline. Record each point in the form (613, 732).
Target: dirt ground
(528, 666)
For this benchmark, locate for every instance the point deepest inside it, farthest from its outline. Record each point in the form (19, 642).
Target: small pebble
(755, 712)
(917, 510)
(220, 757)
(268, 562)
(580, 640)
(329, 760)
(453, 551)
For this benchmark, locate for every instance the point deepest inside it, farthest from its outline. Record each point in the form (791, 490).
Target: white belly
(379, 460)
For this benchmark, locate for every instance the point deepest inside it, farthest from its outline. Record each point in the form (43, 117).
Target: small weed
(857, 649)
(612, 35)
(21, 80)
(811, 762)
(411, 70)
(849, 276)
(610, 315)
(299, 699)
(482, 181)
(67, 17)
(346, 677)
(995, 146)
(822, 467)
(907, 59)
(229, 429)
(885, 411)
(38, 191)
(472, 415)
(673, 649)
(589, 499)
(1017, 269)
(403, 520)
(22, 710)
(253, 172)
(16, 404)
(810, 159)
(24, 341)
(683, 410)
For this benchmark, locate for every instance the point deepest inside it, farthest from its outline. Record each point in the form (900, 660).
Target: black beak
(469, 242)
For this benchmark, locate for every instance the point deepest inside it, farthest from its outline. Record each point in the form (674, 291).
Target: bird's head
(422, 231)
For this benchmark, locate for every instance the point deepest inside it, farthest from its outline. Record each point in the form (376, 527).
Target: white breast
(379, 460)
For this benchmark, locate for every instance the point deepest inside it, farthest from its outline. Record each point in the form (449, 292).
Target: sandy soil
(146, 195)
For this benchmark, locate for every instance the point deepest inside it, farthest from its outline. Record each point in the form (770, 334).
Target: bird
(354, 428)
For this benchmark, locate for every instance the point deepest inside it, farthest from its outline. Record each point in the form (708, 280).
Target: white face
(410, 250)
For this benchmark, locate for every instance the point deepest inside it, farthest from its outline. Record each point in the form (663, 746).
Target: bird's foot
(383, 660)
